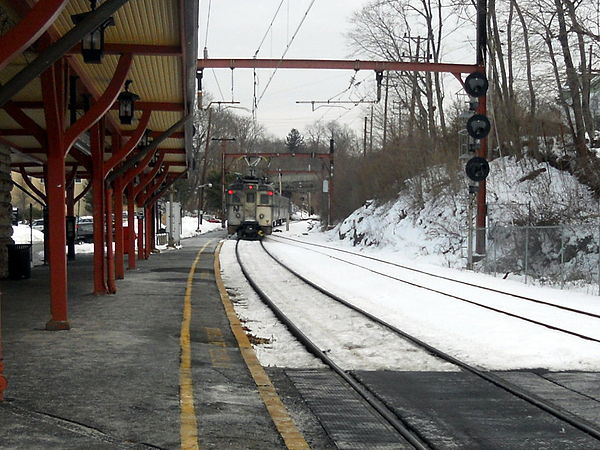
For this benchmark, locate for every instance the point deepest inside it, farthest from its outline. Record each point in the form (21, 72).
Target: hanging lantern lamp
(127, 104)
(92, 45)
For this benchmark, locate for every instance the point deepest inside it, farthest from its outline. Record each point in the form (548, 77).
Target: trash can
(19, 261)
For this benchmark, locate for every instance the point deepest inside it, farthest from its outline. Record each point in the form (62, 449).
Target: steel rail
(441, 277)
(494, 379)
(411, 436)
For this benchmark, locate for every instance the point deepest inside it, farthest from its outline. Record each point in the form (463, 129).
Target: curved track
(404, 429)
(425, 286)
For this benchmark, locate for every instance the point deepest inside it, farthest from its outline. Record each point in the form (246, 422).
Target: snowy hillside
(542, 223)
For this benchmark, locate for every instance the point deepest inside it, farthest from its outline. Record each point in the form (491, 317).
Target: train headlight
(261, 216)
(238, 215)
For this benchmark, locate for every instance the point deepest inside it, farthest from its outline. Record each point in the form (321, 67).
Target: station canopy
(162, 37)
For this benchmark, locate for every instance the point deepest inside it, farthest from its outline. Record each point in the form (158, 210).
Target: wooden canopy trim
(29, 125)
(99, 109)
(124, 151)
(162, 190)
(148, 177)
(32, 186)
(142, 198)
(137, 49)
(57, 50)
(29, 29)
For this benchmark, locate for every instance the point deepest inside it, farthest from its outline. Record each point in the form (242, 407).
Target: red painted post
(480, 222)
(140, 237)
(110, 259)
(119, 235)
(53, 90)
(97, 149)
(148, 214)
(131, 261)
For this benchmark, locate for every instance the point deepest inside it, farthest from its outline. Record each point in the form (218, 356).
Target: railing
(565, 256)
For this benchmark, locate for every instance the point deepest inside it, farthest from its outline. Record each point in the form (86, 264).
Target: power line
(268, 29)
(286, 49)
(218, 85)
(207, 24)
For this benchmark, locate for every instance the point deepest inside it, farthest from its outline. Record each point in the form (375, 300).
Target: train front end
(250, 208)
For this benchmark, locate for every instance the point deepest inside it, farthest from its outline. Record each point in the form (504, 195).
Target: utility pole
(480, 244)
(385, 108)
(371, 133)
(365, 138)
(204, 165)
(330, 187)
(223, 187)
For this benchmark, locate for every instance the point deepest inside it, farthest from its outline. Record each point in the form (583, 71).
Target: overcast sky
(235, 29)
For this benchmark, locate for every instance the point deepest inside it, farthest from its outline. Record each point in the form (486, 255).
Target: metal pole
(204, 165)
(365, 138)
(385, 108)
(371, 132)
(223, 210)
(562, 259)
(526, 251)
(171, 242)
(470, 231)
(330, 187)
(481, 50)
(527, 240)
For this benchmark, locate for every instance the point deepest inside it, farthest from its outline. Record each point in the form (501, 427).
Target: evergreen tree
(294, 141)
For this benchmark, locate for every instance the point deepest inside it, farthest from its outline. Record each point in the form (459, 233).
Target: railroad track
(403, 427)
(587, 315)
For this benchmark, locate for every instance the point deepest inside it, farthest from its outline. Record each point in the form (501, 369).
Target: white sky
(236, 28)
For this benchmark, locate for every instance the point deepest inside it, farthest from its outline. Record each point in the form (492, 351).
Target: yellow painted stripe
(189, 423)
(292, 437)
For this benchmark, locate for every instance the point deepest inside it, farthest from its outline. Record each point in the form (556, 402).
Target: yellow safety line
(189, 423)
(292, 437)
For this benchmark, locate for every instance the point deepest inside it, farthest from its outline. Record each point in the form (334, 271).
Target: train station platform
(156, 365)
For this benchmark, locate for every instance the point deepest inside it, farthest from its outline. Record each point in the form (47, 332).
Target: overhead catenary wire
(286, 50)
(268, 29)
(207, 24)
(255, 76)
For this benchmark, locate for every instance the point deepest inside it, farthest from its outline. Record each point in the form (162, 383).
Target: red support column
(28, 30)
(119, 235)
(97, 148)
(110, 261)
(131, 261)
(148, 214)
(53, 84)
(480, 222)
(140, 237)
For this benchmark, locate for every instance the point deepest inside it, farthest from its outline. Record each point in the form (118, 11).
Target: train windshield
(250, 197)
(265, 199)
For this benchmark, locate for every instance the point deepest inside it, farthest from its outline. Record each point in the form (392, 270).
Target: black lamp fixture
(92, 45)
(146, 138)
(127, 104)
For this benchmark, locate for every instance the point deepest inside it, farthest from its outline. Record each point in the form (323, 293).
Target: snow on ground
(478, 336)
(23, 234)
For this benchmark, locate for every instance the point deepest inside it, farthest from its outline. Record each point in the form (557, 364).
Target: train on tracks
(254, 207)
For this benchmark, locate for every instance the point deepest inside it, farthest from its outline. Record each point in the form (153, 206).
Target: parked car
(38, 224)
(84, 229)
(210, 218)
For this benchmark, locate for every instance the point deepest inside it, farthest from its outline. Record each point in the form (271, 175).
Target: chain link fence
(565, 256)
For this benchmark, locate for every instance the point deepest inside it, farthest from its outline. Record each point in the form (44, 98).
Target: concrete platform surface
(114, 380)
